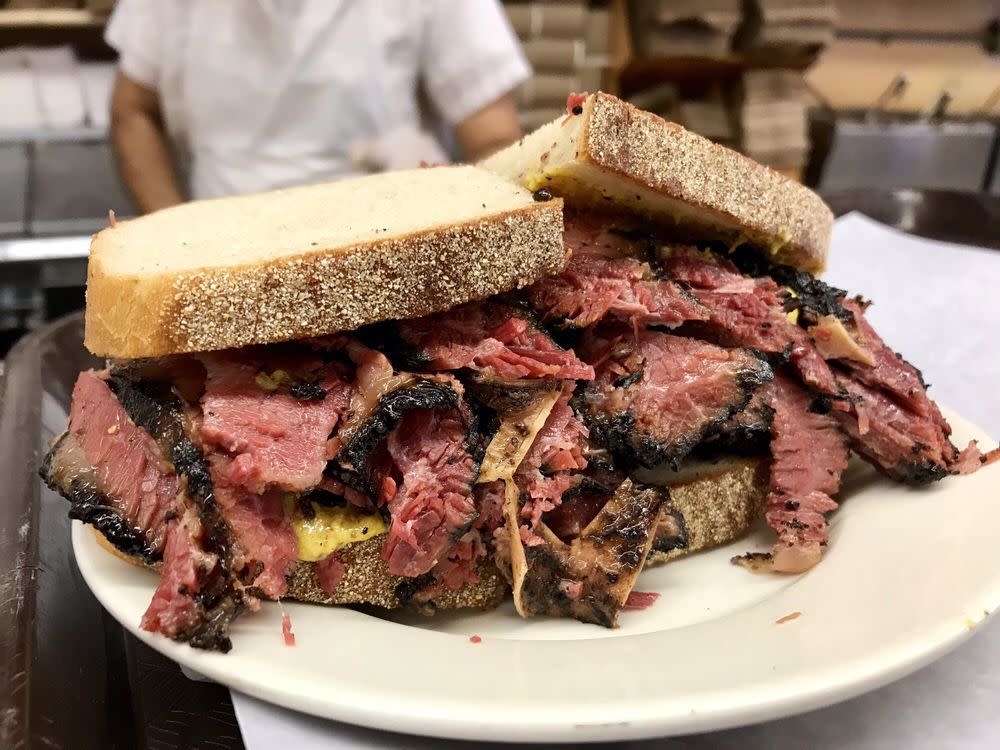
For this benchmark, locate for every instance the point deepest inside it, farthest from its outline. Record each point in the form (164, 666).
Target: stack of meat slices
(694, 350)
(500, 431)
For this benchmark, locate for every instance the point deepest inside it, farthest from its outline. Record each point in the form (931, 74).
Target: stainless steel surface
(946, 156)
(49, 248)
(13, 177)
(74, 185)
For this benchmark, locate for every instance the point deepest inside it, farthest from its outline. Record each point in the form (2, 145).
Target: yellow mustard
(332, 528)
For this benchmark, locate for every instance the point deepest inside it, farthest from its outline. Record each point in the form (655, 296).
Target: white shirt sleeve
(134, 31)
(470, 56)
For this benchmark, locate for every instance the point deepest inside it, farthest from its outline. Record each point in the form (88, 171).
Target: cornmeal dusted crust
(161, 305)
(366, 580)
(719, 506)
(617, 156)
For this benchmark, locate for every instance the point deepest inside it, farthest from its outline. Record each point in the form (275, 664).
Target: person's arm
(471, 63)
(488, 130)
(141, 146)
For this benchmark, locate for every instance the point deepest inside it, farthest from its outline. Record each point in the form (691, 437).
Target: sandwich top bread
(614, 155)
(312, 260)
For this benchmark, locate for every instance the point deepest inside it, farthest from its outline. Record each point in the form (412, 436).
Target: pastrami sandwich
(422, 390)
(691, 291)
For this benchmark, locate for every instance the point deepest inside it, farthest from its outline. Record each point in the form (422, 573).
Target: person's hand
(400, 148)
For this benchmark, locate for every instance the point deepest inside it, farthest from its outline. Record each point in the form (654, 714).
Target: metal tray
(70, 676)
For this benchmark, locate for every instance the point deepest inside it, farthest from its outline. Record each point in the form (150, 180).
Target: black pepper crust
(93, 508)
(385, 337)
(671, 530)
(153, 406)
(90, 506)
(417, 393)
(611, 551)
(632, 449)
(812, 295)
(509, 396)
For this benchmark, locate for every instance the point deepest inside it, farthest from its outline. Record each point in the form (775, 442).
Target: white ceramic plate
(908, 575)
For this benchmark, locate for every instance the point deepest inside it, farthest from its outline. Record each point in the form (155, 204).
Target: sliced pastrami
(608, 275)
(891, 420)
(656, 396)
(495, 339)
(272, 421)
(747, 312)
(266, 547)
(747, 432)
(418, 453)
(108, 462)
(427, 487)
(194, 600)
(129, 468)
(809, 454)
(550, 466)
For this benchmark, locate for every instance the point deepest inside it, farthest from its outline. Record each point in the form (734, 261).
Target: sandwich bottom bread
(718, 502)
(619, 382)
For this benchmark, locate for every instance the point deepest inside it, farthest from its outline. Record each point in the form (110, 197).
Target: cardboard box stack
(683, 28)
(567, 44)
(787, 26)
(35, 4)
(711, 116)
(937, 45)
(917, 17)
(773, 116)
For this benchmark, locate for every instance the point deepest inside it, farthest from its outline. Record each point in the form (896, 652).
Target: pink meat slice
(892, 421)
(130, 468)
(547, 470)
(273, 438)
(493, 339)
(674, 389)
(428, 490)
(266, 543)
(173, 610)
(606, 277)
(809, 454)
(749, 312)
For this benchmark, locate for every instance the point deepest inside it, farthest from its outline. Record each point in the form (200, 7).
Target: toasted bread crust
(623, 157)
(367, 580)
(320, 292)
(718, 505)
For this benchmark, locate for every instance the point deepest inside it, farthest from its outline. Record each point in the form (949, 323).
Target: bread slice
(312, 260)
(367, 580)
(613, 155)
(719, 500)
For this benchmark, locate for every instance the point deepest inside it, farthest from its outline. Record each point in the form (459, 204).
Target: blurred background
(840, 94)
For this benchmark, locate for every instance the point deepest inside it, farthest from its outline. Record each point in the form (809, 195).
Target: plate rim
(866, 673)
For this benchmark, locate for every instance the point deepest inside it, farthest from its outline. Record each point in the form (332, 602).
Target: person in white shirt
(262, 94)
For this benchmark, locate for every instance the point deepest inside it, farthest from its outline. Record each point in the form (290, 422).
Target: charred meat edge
(632, 448)
(603, 561)
(419, 393)
(91, 506)
(154, 408)
(811, 295)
